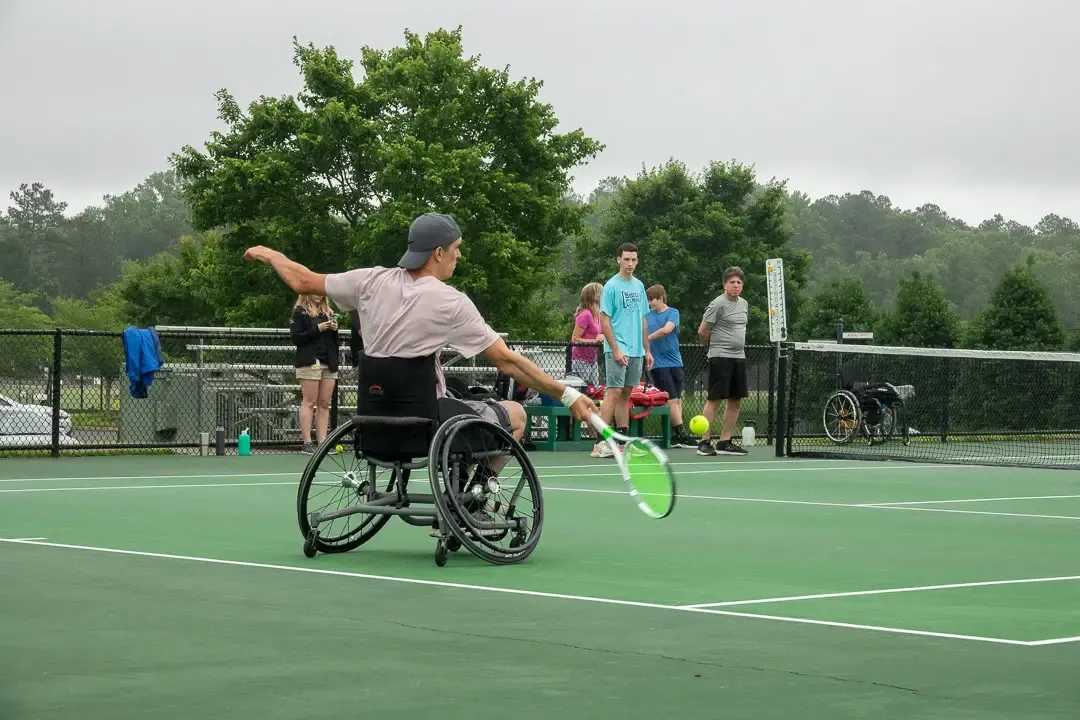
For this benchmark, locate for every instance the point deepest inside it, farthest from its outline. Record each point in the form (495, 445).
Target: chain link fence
(67, 391)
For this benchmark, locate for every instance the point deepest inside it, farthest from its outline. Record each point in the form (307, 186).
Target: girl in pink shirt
(587, 330)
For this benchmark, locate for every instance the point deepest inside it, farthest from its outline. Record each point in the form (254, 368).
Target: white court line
(514, 591)
(886, 591)
(972, 500)
(973, 512)
(812, 503)
(20, 539)
(1054, 641)
(717, 467)
(300, 470)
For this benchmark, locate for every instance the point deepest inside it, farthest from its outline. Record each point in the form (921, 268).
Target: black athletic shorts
(668, 379)
(727, 378)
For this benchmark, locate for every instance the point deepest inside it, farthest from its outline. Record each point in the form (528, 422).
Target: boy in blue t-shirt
(667, 372)
(626, 342)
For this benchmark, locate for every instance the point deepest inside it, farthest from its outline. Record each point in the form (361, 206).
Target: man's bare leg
(711, 407)
(731, 416)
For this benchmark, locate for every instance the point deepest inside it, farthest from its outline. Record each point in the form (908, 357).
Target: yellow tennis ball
(338, 448)
(698, 424)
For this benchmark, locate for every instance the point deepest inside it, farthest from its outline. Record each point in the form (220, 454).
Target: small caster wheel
(309, 546)
(453, 544)
(517, 541)
(441, 554)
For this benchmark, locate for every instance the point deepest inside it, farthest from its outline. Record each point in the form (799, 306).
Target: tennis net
(934, 405)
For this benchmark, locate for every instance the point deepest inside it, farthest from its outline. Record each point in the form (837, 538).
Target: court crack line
(662, 656)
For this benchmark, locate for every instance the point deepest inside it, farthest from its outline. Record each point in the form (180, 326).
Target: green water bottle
(244, 443)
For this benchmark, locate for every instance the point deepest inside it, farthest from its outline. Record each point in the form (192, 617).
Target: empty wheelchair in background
(484, 492)
(871, 409)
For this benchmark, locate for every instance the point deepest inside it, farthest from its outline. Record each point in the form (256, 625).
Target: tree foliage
(688, 230)
(840, 299)
(864, 235)
(921, 316)
(22, 356)
(1021, 315)
(334, 176)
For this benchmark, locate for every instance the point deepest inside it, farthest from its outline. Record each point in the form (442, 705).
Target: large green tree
(921, 317)
(35, 222)
(1021, 315)
(334, 175)
(840, 299)
(688, 229)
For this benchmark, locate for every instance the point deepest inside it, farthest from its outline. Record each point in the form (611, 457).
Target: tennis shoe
(728, 447)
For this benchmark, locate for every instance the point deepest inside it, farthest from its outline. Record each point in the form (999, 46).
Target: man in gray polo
(723, 329)
(409, 311)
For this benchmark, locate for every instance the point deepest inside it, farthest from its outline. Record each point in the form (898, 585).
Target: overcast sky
(970, 104)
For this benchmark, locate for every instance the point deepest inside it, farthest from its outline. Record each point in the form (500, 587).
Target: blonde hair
(590, 299)
(314, 305)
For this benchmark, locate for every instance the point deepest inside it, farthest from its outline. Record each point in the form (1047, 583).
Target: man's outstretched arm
(295, 275)
(526, 373)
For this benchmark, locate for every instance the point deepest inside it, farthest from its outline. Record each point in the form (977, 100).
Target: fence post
(57, 368)
(781, 401)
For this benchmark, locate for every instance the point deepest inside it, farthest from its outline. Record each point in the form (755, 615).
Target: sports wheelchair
(871, 408)
(485, 495)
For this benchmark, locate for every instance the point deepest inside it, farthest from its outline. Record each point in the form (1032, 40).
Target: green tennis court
(171, 587)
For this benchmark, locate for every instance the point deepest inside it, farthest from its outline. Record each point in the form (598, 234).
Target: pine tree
(923, 316)
(1021, 315)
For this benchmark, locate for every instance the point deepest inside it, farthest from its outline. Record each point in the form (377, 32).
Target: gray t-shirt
(403, 317)
(728, 319)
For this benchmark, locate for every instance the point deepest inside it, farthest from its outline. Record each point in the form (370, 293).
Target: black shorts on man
(727, 378)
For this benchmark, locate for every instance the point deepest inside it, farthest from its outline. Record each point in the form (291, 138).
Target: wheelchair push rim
(500, 521)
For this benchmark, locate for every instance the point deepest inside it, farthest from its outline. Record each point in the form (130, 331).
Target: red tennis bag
(648, 397)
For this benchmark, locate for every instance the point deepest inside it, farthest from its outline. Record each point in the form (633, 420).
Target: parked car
(18, 418)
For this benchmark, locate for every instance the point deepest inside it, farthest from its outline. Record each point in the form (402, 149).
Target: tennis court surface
(167, 587)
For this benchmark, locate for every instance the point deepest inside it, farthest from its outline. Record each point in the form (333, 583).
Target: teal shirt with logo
(624, 302)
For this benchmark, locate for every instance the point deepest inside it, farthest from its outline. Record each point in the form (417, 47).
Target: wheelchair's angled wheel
(335, 481)
(842, 417)
(498, 518)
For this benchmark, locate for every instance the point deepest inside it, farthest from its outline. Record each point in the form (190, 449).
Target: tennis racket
(645, 468)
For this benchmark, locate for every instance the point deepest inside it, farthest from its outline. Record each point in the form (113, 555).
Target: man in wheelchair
(409, 311)
(407, 315)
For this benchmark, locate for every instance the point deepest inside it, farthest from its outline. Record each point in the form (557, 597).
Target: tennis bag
(648, 397)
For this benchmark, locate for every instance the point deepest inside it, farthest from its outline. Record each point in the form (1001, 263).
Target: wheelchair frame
(451, 506)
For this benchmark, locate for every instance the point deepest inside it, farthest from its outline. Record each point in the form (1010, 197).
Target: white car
(18, 418)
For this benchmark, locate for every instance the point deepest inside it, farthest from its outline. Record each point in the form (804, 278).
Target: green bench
(564, 433)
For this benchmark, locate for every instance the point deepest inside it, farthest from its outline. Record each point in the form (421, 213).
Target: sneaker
(308, 448)
(705, 448)
(602, 450)
(728, 447)
(683, 441)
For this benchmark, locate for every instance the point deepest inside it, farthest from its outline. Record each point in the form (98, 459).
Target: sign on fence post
(774, 282)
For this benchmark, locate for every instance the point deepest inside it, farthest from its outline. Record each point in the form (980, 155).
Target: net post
(781, 400)
(770, 430)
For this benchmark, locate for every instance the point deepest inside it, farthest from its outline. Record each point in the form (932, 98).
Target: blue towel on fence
(142, 358)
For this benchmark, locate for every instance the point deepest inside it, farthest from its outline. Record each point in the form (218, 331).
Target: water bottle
(748, 435)
(244, 443)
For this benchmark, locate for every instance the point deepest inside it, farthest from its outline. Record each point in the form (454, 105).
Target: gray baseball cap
(428, 232)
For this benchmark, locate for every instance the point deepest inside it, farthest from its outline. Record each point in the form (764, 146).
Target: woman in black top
(314, 330)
